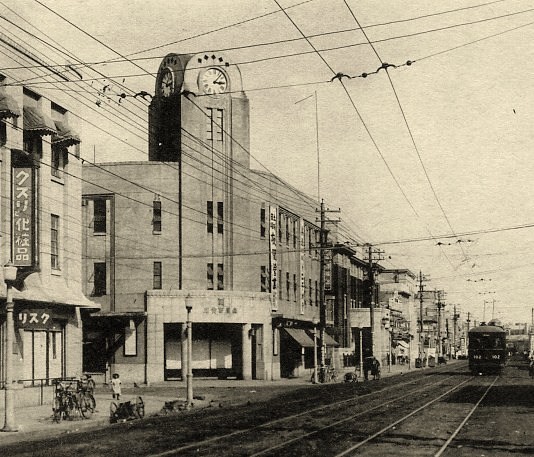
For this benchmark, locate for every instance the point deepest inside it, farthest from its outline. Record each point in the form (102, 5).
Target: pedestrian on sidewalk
(116, 386)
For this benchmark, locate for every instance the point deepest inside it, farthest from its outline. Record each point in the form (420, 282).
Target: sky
(438, 149)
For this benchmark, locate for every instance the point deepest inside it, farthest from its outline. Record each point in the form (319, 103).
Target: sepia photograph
(266, 228)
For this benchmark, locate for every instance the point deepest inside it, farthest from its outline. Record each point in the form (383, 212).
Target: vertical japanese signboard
(22, 216)
(302, 247)
(327, 269)
(273, 227)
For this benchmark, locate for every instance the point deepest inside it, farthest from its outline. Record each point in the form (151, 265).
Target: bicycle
(68, 403)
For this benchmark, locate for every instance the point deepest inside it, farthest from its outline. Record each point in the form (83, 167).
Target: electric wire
(409, 132)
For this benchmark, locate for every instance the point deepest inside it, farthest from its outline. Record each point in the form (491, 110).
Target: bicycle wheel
(113, 407)
(68, 407)
(85, 406)
(139, 407)
(57, 409)
(92, 401)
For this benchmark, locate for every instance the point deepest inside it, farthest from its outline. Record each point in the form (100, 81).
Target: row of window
(291, 234)
(100, 215)
(100, 278)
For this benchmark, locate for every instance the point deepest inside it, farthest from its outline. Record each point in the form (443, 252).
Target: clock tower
(198, 98)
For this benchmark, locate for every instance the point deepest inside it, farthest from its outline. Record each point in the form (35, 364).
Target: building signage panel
(36, 319)
(22, 216)
(273, 228)
(302, 246)
(327, 269)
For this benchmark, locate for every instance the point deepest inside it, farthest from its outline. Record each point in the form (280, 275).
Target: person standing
(116, 386)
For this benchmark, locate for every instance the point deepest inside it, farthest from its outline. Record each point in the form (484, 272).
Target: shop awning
(300, 336)
(329, 341)
(55, 291)
(8, 106)
(36, 121)
(65, 136)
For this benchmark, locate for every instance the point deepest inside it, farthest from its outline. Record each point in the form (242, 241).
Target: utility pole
(421, 337)
(371, 291)
(322, 304)
(454, 319)
(439, 293)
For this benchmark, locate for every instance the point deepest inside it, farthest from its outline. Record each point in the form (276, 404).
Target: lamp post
(189, 307)
(315, 322)
(10, 274)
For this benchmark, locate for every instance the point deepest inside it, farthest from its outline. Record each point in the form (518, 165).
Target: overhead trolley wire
(409, 130)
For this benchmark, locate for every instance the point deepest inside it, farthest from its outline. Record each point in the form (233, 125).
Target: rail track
(292, 431)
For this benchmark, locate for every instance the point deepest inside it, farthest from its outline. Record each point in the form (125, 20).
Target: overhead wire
(335, 47)
(408, 129)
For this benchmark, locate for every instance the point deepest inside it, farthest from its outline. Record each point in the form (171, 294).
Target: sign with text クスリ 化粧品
(22, 216)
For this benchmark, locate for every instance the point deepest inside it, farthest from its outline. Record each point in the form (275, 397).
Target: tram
(487, 348)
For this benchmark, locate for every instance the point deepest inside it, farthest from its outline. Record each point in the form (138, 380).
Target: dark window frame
(54, 242)
(99, 279)
(156, 216)
(209, 216)
(100, 215)
(157, 277)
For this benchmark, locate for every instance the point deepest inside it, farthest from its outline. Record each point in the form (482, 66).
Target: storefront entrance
(43, 354)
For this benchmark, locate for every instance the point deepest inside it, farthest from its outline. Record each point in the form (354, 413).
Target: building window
(220, 217)
(295, 233)
(280, 284)
(210, 276)
(215, 127)
(287, 230)
(58, 163)
(263, 222)
(54, 242)
(317, 242)
(156, 216)
(294, 288)
(209, 216)
(3, 133)
(316, 294)
(99, 277)
(311, 291)
(32, 144)
(54, 344)
(99, 216)
(288, 286)
(280, 228)
(220, 276)
(157, 276)
(264, 280)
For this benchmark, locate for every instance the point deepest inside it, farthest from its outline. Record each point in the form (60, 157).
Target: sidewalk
(35, 422)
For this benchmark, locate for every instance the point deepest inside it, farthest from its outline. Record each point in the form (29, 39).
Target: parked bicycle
(72, 400)
(326, 374)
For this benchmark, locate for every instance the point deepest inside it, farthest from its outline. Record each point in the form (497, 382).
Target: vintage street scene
(266, 228)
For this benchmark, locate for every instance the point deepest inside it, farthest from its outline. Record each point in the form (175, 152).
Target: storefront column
(183, 339)
(246, 352)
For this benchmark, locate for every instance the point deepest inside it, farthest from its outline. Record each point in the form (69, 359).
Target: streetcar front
(487, 349)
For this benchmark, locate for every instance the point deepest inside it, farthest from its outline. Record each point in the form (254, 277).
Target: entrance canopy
(300, 336)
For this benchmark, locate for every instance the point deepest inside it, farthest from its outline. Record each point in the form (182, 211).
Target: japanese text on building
(22, 216)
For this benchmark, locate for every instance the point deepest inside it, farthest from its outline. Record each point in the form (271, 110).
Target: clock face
(213, 81)
(167, 82)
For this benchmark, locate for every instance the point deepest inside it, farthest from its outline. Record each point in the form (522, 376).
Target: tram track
(295, 428)
(443, 444)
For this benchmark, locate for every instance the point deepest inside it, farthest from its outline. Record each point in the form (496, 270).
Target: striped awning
(300, 336)
(36, 121)
(65, 136)
(8, 106)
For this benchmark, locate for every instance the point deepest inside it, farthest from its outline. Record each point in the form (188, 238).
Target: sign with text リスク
(36, 319)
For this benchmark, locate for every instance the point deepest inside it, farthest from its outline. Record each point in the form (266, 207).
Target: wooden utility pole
(322, 304)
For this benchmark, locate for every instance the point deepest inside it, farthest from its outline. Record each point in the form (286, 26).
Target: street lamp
(189, 307)
(315, 322)
(10, 274)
